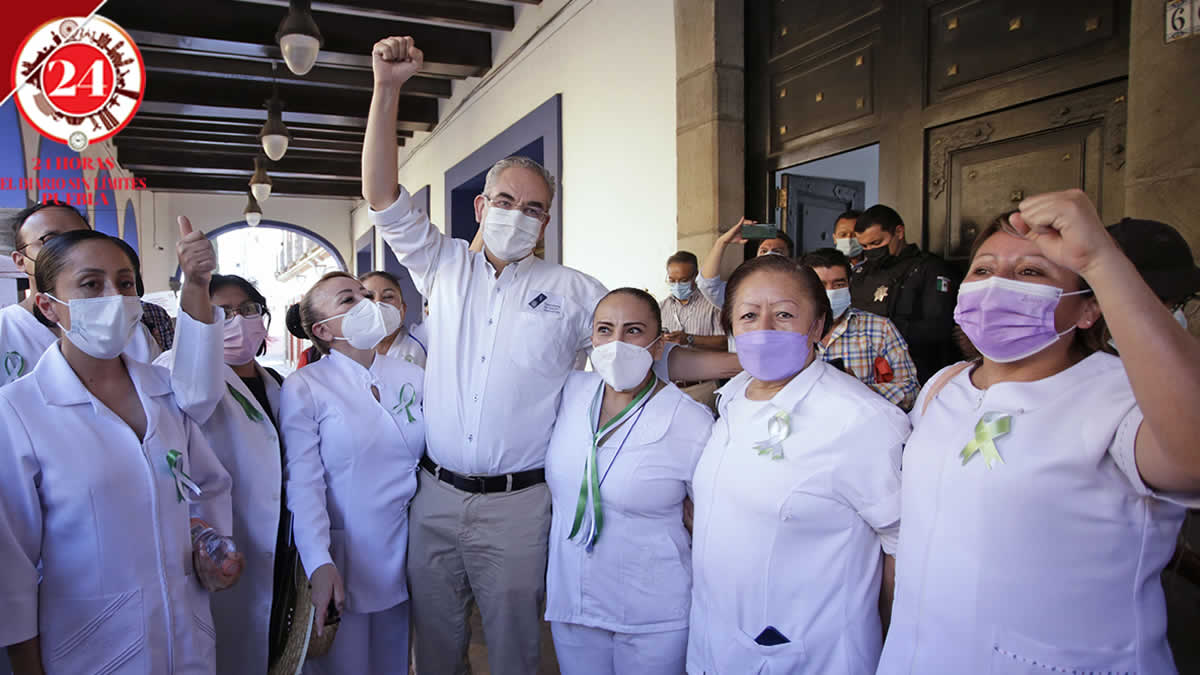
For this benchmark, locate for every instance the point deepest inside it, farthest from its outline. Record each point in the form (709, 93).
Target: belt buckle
(481, 481)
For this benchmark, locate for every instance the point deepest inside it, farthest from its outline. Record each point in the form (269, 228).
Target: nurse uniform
(351, 473)
(791, 517)
(410, 346)
(1049, 560)
(247, 444)
(23, 340)
(103, 514)
(623, 607)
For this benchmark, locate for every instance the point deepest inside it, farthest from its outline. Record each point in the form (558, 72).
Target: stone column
(710, 122)
(1162, 171)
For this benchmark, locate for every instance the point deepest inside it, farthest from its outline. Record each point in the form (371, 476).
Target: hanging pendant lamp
(260, 182)
(253, 212)
(299, 38)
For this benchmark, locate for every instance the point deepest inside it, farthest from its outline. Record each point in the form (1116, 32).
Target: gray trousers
(487, 548)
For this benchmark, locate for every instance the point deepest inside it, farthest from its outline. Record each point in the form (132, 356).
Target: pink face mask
(772, 355)
(243, 337)
(1008, 320)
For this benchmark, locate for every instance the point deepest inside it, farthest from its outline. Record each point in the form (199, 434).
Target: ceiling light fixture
(274, 134)
(253, 212)
(299, 38)
(260, 182)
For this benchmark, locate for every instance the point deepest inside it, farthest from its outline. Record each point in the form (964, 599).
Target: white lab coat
(638, 577)
(794, 543)
(1047, 562)
(23, 340)
(351, 471)
(250, 451)
(99, 509)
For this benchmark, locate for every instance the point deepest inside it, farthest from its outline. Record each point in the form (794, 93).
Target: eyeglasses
(250, 310)
(507, 204)
(41, 240)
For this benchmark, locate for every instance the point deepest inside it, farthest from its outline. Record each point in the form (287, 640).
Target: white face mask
(102, 327)
(839, 301)
(849, 246)
(509, 234)
(622, 365)
(367, 323)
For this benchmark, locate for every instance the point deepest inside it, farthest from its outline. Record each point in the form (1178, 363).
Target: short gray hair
(515, 162)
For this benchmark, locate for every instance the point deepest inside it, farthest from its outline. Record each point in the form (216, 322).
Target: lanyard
(589, 487)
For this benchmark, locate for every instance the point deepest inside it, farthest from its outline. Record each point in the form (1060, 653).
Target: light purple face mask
(771, 355)
(1008, 320)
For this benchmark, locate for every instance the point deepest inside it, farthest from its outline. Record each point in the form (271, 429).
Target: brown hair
(638, 294)
(802, 274)
(1087, 341)
(308, 313)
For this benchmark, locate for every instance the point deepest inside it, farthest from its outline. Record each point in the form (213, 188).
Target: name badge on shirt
(540, 302)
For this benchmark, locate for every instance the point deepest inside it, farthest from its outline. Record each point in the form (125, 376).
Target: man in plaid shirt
(865, 345)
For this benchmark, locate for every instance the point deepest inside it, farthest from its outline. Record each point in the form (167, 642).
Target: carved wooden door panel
(980, 168)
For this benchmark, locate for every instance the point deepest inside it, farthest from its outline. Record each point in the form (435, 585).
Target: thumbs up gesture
(197, 258)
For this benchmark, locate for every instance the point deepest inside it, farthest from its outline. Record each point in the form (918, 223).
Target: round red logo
(79, 81)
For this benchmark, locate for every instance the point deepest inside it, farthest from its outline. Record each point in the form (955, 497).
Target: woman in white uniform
(220, 330)
(101, 479)
(405, 343)
(1045, 484)
(618, 586)
(354, 431)
(797, 494)
(23, 338)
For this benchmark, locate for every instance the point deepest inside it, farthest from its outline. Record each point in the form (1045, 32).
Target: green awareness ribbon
(182, 480)
(990, 427)
(251, 411)
(14, 364)
(779, 427)
(589, 487)
(406, 406)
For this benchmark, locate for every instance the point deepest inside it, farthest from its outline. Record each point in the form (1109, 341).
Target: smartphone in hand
(765, 231)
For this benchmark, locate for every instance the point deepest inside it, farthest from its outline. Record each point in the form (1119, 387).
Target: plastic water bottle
(217, 547)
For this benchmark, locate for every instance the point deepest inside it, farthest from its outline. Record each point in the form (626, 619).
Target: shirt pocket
(539, 342)
(739, 653)
(199, 641)
(95, 636)
(657, 574)
(1016, 654)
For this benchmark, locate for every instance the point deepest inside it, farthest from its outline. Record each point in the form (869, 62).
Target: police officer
(913, 288)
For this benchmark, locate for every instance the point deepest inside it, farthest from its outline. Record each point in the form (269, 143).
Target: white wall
(613, 61)
(328, 217)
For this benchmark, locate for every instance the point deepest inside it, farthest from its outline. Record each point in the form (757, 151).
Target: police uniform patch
(881, 293)
(943, 284)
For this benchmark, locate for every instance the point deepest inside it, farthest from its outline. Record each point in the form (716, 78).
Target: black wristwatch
(691, 340)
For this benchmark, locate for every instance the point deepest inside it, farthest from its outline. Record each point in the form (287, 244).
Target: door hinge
(781, 198)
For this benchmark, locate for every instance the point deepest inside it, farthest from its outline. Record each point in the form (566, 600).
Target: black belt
(509, 482)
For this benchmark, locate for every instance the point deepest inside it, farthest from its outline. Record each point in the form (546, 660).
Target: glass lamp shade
(253, 218)
(275, 145)
(299, 52)
(260, 182)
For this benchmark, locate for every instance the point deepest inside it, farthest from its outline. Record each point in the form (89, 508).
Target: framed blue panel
(540, 133)
(105, 219)
(364, 252)
(12, 157)
(130, 228)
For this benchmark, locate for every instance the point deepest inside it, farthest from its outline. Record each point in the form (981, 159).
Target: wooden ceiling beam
(295, 187)
(462, 13)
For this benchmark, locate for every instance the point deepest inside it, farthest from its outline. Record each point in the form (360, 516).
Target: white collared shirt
(794, 543)
(500, 348)
(351, 471)
(712, 289)
(23, 340)
(638, 577)
(98, 508)
(1052, 556)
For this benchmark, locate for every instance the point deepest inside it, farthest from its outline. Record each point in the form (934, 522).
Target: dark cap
(1161, 256)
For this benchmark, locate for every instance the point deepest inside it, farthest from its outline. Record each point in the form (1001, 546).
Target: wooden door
(813, 205)
(978, 169)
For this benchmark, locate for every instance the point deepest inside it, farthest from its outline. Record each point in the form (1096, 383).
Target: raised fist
(394, 60)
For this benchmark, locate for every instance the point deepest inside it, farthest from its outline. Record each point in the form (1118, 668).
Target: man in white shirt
(505, 329)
